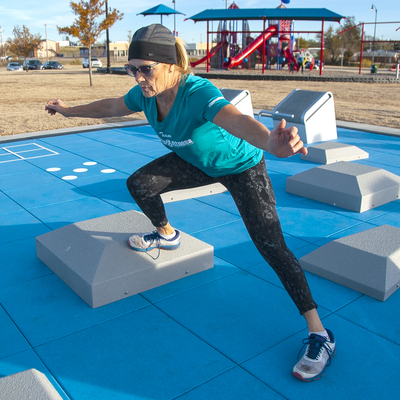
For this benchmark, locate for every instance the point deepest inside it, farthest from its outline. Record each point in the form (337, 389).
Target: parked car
(14, 66)
(52, 65)
(96, 63)
(32, 64)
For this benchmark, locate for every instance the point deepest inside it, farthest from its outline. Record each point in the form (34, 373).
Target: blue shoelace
(316, 345)
(152, 237)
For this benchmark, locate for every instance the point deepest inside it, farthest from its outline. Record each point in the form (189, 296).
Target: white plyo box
(313, 113)
(241, 99)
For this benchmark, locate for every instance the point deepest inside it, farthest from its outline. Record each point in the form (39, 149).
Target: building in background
(49, 49)
(197, 49)
(119, 50)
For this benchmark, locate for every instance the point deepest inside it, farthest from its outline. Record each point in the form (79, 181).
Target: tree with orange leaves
(24, 43)
(89, 24)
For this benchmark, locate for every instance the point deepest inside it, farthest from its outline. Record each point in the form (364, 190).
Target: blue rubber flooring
(230, 332)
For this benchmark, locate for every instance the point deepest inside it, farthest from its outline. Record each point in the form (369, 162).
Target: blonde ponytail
(182, 57)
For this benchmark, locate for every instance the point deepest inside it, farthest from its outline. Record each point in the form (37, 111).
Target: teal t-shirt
(188, 130)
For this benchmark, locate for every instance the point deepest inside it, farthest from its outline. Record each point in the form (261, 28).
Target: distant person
(303, 64)
(210, 141)
(300, 63)
(292, 66)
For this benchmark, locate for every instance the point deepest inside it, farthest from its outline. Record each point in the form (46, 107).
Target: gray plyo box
(94, 259)
(331, 152)
(348, 185)
(27, 385)
(185, 194)
(368, 262)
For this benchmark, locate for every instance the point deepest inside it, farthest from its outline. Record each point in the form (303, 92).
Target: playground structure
(232, 55)
(275, 44)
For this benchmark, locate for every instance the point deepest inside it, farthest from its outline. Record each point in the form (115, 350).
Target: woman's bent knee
(134, 186)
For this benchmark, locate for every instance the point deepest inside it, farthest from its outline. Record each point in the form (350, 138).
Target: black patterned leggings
(254, 197)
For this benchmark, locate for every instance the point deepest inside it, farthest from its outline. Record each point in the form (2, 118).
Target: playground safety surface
(230, 332)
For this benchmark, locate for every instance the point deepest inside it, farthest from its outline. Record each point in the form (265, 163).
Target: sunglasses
(144, 70)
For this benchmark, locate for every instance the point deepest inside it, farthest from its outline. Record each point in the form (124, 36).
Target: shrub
(75, 61)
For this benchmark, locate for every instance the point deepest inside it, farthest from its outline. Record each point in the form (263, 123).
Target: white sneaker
(153, 240)
(316, 357)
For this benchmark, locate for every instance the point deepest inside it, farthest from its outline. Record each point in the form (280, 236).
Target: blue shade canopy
(160, 10)
(298, 14)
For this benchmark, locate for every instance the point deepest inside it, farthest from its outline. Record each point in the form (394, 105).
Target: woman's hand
(56, 106)
(285, 142)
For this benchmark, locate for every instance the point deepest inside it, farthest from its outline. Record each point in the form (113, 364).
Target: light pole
(373, 47)
(47, 47)
(1, 40)
(173, 1)
(107, 44)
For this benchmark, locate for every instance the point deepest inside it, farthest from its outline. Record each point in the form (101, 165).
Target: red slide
(289, 56)
(291, 59)
(212, 52)
(254, 45)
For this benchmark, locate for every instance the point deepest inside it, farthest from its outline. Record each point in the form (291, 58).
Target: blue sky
(36, 14)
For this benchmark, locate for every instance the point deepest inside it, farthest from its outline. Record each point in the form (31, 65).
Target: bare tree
(129, 40)
(89, 24)
(24, 43)
(349, 38)
(332, 44)
(301, 43)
